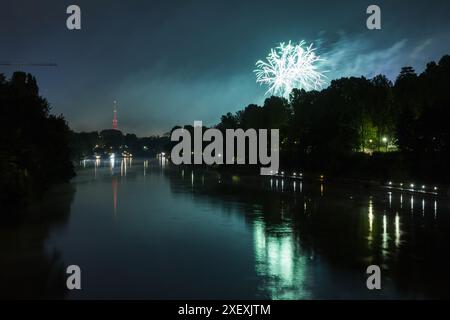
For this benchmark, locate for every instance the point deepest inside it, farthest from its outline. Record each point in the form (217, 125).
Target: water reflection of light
(401, 201)
(145, 167)
(435, 209)
(162, 161)
(385, 234)
(412, 203)
(192, 178)
(295, 186)
(123, 167)
(301, 186)
(271, 183)
(282, 185)
(96, 165)
(321, 189)
(370, 217)
(423, 206)
(280, 263)
(397, 230)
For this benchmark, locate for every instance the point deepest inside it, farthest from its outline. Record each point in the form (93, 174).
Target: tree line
(363, 127)
(34, 144)
(354, 127)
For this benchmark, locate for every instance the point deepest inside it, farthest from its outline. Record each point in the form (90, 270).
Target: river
(146, 229)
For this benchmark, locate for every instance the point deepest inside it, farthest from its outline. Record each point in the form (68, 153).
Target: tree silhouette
(35, 149)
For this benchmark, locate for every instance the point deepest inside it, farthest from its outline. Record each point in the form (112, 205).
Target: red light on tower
(114, 122)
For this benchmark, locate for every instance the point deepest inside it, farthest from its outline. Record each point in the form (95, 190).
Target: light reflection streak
(435, 209)
(111, 163)
(370, 218)
(278, 260)
(145, 167)
(385, 235)
(397, 230)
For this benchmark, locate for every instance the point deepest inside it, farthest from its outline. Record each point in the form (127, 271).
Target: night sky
(173, 62)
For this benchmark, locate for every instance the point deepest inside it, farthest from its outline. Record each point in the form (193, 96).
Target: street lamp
(385, 140)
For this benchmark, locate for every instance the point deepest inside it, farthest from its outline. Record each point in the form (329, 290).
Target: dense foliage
(363, 126)
(34, 144)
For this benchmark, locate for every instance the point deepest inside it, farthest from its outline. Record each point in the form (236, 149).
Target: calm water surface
(144, 229)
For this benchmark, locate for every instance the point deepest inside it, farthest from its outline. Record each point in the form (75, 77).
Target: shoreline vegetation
(35, 151)
(357, 129)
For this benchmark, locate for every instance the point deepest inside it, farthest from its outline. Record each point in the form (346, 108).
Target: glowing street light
(385, 140)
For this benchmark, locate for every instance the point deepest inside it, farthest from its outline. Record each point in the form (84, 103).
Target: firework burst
(290, 66)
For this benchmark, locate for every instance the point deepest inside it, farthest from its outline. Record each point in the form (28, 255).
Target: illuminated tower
(114, 122)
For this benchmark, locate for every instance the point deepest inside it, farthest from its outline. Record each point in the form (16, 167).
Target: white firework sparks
(290, 66)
